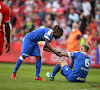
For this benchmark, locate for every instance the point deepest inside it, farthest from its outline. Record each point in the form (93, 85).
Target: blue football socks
(18, 63)
(56, 69)
(38, 67)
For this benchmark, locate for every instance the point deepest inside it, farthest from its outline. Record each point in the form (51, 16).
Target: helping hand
(8, 47)
(56, 50)
(58, 54)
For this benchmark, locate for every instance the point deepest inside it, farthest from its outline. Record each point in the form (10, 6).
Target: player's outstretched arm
(61, 53)
(47, 47)
(64, 54)
(7, 31)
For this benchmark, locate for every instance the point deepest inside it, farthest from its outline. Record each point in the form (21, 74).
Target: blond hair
(86, 46)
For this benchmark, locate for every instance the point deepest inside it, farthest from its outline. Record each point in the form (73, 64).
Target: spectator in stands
(66, 4)
(78, 5)
(82, 22)
(19, 22)
(29, 24)
(19, 35)
(61, 12)
(66, 31)
(53, 3)
(92, 2)
(97, 17)
(86, 9)
(73, 16)
(88, 37)
(52, 6)
(92, 26)
(29, 4)
(74, 40)
(48, 20)
(96, 39)
(36, 20)
(14, 12)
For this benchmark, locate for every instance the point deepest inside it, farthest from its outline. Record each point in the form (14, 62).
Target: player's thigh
(36, 51)
(1, 42)
(27, 48)
(62, 63)
(66, 71)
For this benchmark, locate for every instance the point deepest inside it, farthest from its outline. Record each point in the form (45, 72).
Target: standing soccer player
(82, 64)
(4, 20)
(30, 47)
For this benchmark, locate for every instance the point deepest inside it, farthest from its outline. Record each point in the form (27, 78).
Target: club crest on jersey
(71, 54)
(66, 68)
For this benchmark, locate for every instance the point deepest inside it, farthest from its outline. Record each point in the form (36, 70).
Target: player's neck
(84, 52)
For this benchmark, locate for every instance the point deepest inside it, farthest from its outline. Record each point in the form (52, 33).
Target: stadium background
(28, 15)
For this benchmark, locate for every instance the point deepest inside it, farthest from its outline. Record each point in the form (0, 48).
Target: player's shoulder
(85, 55)
(89, 56)
(6, 8)
(48, 30)
(76, 52)
(43, 29)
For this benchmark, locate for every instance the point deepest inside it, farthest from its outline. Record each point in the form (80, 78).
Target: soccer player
(30, 47)
(4, 20)
(81, 65)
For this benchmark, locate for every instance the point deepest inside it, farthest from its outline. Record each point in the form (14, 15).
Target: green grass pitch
(25, 79)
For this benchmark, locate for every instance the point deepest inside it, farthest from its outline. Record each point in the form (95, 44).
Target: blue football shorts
(67, 72)
(30, 48)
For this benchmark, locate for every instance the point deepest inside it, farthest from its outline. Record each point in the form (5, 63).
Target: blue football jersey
(82, 64)
(40, 35)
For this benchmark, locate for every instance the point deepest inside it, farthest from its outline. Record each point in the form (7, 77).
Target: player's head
(85, 47)
(57, 32)
(74, 26)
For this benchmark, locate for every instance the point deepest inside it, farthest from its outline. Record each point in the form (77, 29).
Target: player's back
(81, 65)
(38, 35)
(4, 15)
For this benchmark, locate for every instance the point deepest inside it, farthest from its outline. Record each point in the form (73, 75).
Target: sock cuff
(21, 58)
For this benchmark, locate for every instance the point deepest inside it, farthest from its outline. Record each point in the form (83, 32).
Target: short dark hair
(86, 46)
(58, 28)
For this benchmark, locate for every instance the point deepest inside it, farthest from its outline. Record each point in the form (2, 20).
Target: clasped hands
(57, 52)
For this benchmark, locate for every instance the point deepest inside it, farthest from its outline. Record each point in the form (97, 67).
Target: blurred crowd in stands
(28, 15)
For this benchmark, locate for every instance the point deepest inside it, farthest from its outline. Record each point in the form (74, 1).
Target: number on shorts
(0, 16)
(87, 62)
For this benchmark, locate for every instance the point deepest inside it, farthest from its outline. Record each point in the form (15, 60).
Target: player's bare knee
(60, 62)
(38, 57)
(21, 58)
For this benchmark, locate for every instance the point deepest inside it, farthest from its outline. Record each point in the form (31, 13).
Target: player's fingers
(8, 50)
(59, 55)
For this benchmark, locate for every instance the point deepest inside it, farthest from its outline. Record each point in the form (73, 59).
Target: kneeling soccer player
(30, 47)
(82, 63)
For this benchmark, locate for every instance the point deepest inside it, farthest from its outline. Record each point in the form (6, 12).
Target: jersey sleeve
(48, 34)
(7, 15)
(72, 54)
